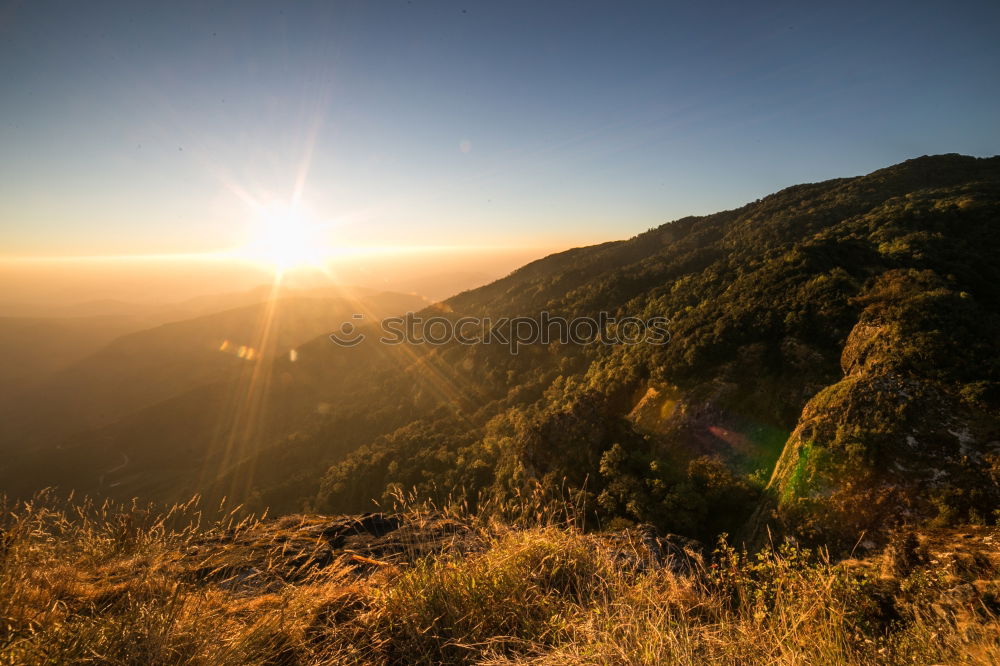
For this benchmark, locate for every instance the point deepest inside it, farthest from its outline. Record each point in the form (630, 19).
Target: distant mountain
(832, 370)
(39, 339)
(137, 371)
(34, 348)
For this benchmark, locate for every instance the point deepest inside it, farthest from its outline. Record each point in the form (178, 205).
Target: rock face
(267, 555)
(291, 548)
(897, 440)
(677, 553)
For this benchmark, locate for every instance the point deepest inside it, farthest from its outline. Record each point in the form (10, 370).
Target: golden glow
(286, 236)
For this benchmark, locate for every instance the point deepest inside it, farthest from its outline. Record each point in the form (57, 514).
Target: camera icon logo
(348, 335)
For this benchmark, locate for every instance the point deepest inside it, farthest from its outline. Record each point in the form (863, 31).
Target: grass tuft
(122, 584)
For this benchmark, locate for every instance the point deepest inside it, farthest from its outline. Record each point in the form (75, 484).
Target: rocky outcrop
(268, 555)
(889, 444)
(677, 553)
(292, 548)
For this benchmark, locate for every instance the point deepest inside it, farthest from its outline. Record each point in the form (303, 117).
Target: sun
(285, 236)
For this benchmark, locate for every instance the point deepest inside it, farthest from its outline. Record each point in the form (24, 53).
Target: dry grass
(81, 583)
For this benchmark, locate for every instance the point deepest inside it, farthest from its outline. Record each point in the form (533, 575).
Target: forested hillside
(832, 368)
(848, 323)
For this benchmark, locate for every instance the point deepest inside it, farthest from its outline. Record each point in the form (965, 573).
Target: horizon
(42, 283)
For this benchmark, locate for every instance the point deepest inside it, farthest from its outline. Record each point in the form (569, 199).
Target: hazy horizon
(43, 287)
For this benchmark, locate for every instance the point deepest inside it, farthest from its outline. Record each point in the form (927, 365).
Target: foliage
(810, 311)
(762, 301)
(85, 583)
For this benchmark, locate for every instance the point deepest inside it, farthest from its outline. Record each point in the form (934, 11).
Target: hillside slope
(831, 350)
(152, 402)
(425, 588)
(765, 304)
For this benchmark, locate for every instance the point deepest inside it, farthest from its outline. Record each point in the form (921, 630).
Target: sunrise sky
(200, 127)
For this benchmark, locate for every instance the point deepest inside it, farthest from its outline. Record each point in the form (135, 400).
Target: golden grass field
(87, 583)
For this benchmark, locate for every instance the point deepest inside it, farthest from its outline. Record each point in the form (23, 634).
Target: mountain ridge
(693, 436)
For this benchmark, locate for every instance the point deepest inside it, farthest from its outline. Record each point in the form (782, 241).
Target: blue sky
(148, 127)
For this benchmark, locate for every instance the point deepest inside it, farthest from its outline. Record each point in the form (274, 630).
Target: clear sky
(163, 127)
